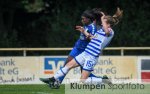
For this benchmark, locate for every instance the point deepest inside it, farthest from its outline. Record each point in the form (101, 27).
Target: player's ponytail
(117, 16)
(114, 20)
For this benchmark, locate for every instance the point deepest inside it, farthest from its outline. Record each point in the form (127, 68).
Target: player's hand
(103, 16)
(80, 28)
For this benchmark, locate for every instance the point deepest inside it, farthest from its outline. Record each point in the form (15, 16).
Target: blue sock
(61, 78)
(92, 75)
(61, 73)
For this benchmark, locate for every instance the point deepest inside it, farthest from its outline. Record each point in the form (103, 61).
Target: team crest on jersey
(96, 36)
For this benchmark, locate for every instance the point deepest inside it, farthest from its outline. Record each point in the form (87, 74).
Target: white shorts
(86, 61)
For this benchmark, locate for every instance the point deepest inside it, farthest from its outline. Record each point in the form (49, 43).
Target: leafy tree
(8, 33)
(50, 23)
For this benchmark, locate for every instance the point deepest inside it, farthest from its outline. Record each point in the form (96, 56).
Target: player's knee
(68, 59)
(71, 64)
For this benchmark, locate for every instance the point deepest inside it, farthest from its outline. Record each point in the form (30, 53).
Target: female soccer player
(88, 59)
(87, 19)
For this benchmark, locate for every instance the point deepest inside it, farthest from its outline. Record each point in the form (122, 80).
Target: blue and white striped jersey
(108, 39)
(99, 41)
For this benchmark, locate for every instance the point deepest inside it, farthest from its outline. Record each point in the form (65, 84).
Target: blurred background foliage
(51, 23)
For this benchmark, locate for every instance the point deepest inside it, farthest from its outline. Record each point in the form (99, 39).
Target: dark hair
(88, 14)
(97, 14)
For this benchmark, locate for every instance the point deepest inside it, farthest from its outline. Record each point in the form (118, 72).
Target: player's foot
(53, 84)
(106, 80)
(45, 80)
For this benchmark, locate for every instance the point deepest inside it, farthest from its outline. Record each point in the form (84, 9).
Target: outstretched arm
(105, 25)
(82, 30)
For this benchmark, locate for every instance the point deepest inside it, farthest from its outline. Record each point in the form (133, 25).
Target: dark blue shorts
(75, 52)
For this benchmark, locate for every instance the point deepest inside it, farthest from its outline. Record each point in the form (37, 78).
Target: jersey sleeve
(111, 31)
(91, 29)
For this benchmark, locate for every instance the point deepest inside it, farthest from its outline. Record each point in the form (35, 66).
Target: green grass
(44, 89)
(30, 89)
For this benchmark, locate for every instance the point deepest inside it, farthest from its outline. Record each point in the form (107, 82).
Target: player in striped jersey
(97, 14)
(98, 42)
(88, 59)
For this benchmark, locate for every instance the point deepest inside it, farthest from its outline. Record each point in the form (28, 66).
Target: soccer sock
(61, 78)
(93, 80)
(92, 75)
(62, 72)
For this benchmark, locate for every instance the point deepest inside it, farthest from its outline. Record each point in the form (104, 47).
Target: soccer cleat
(53, 84)
(106, 80)
(45, 80)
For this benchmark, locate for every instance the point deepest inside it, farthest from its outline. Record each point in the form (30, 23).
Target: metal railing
(25, 50)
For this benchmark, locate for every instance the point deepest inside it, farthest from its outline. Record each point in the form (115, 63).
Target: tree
(50, 23)
(8, 34)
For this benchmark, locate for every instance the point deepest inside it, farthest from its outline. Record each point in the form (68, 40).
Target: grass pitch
(30, 89)
(44, 89)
